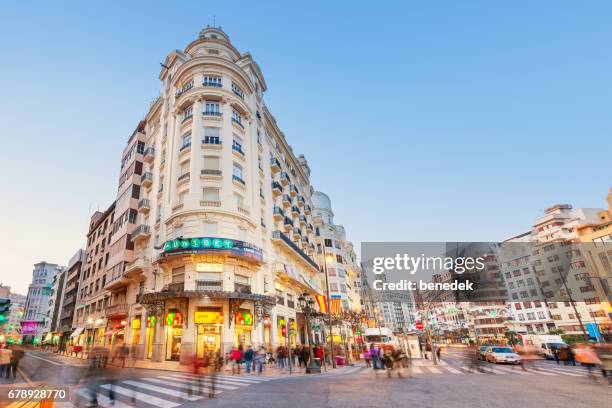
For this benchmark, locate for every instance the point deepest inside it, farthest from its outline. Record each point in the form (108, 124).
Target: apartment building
(223, 240)
(92, 299)
(36, 318)
(69, 296)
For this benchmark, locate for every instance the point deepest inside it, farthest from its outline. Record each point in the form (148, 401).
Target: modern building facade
(69, 296)
(35, 317)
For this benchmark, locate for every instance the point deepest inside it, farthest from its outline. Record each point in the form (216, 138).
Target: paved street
(449, 384)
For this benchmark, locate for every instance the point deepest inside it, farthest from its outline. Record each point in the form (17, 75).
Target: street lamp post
(307, 306)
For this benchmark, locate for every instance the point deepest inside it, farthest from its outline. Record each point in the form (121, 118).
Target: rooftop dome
(321, 201)
(214, 33)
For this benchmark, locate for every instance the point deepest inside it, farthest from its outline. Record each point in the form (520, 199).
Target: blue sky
(424, 121)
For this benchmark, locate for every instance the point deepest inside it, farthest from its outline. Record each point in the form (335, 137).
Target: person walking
(259, 360)
(367, 357)
(586, 356)
(381, 354)
(16, 355)
(306, 355)
(438, 352)
(234, 358)
(248, 359)
(5, 361)
(374, 356)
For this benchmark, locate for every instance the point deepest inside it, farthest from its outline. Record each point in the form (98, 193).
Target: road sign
(419, 325)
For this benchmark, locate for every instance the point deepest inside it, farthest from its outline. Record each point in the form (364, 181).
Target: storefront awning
(76, 333)
(48, 336)
(212, 294)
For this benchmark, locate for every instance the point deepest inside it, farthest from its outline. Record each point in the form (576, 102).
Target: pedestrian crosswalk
(167, 391)
(484, 369)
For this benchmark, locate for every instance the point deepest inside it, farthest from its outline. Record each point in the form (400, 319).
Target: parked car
(496, 355)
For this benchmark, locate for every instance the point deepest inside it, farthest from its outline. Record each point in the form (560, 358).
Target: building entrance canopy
(196, 294)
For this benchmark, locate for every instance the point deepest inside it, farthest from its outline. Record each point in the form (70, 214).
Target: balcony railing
(238, 122)
(301, 201)
(184, 176)
(185, 146)
(238, 149)
(276, 188)
(119, 308)
(207, 285)
(307, 209)
(279, 236)
(175, 287)
(146, 179)
(210, 203)
(238, 179)
(286, 200)
(284, 179)
(278, 213)
(149, 154)
(212, 113)
(141, 232)
(275, 165)
(214, 84)
(293, 191)
(144, 205)
(211, 172)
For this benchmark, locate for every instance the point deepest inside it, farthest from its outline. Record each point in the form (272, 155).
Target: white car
(499, 354)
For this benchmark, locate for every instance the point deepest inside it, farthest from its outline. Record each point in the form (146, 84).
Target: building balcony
(239, 181)
(144, 206)
(213, 84)
(146, 179)
(284, 179)
(275, 165)
(293, 191)
(295, 211)
(237, 123)
(278, 213)
(211, 174)
(277, 189)
(238, 152)
(301, 201)
(149, 154)
(309, 227)
(305, 240)
(117, 310)
(244, 211)
(296, 235)
(307, 209)
(135, 268)
(286, 201)
(116, 280)
(211, 142)
(212, 114)
(302, 220)
(183, 178)
(141, 232)
(287, 224)
(280, 238)
(209, 285)
(210, 203)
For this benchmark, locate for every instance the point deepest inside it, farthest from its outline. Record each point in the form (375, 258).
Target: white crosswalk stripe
(147, 398)
(168, 391)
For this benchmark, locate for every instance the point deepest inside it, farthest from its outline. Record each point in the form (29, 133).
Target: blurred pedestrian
(249, 354)
(366, 356)
(234, 359)
(586, 356)
(17, 353)
(374, 356)
(5, 360)
(259, 359)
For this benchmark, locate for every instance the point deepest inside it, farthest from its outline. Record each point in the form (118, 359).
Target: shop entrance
(149, 334)
(209, 323)
(208, 339)
(174, 334)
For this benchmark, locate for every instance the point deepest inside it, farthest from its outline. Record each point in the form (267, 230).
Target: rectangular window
(178, 275)
(237, 144)
(181, 197)
(239, 200)
(188, 113)
(237, 90)
(237, 172)
(210, 80)
(186, 140)
(211, 135)
(210, 194)
(236, 117)
(211, 163)
(212, 108)
(185, 167)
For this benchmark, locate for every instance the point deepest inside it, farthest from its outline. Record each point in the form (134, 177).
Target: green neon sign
(198, 243)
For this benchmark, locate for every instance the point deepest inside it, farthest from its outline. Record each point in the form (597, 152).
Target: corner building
(224, 239)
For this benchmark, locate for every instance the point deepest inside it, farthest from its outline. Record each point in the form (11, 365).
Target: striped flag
(335, 306)
(322, 301)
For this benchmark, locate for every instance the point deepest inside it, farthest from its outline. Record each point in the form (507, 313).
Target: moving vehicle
(382, 336)
(500, 354)
(546, 344)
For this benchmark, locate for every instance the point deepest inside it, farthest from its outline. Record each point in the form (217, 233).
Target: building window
(188, 114)
(181, 197)
(185, 168)
(239, 200)
(237, 173)
(211, 163)
(237, 145)
(186, 140)
(210, 80)
(211, 194)
(211, 135)
(236, 117)
(237, 90)
(212, 108)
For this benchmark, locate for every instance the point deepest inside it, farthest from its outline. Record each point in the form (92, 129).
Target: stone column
(188, 338)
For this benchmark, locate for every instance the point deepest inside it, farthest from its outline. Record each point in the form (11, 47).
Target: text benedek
(411, 285)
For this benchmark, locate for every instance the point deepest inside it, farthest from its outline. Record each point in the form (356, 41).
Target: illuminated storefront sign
(239, 249)
(209, 267)
(207, 317)
(267, 321)
(150, 321)
(174, 319)
(244, 318)
(29, 327)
